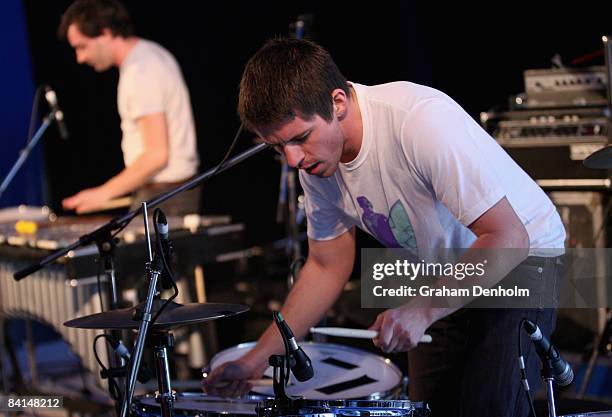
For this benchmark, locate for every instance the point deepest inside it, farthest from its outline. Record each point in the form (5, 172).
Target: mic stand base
(279, 364)
(550, 397)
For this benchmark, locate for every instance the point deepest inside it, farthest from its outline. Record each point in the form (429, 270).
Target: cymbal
(174, 315)
(601, 159)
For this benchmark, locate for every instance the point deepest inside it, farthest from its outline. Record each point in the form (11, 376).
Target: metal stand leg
(162, 341)
(154, 272)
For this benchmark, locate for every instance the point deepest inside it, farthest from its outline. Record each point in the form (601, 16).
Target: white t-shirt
(425, 171)
(150, 82)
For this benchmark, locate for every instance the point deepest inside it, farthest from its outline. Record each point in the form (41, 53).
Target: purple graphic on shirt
(377, 224)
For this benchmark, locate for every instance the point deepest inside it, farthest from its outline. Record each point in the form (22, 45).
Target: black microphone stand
(154, 270)
(25, 152)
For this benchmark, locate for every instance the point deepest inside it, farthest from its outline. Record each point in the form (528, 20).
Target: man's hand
(400, 329)
(87, 200)
(230, 379)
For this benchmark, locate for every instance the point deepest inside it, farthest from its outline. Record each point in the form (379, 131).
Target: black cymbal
(174, 315)
(601, 159)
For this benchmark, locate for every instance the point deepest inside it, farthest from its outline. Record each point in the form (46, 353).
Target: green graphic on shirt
(401, 226)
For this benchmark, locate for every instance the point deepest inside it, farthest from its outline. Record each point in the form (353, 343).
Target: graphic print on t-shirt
(394, 231)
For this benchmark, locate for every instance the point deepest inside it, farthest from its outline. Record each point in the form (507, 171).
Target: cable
(160, 252)
(114, 388)
(229, 151)
(524, 379)
(120, 229)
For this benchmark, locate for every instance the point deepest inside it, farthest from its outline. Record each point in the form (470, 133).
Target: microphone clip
(280, 374)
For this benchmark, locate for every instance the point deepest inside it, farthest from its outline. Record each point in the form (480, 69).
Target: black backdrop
(474, 53)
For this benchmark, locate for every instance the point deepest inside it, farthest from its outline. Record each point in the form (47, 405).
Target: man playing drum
(365, 150)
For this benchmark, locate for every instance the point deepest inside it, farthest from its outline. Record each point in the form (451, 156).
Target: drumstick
(355, 333)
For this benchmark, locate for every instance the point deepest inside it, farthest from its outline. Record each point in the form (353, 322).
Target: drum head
(192, 404)
(339, 372)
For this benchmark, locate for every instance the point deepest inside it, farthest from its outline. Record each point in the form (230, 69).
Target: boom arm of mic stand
(119, 222)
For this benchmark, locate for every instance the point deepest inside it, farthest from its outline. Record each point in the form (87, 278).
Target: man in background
(159, 140)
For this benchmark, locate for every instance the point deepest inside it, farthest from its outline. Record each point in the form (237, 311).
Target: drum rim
(195, 394)
(375, 396)
(351, 403)
(148, 407)
(304, 407)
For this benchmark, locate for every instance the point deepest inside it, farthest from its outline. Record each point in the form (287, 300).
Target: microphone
(58, 114)
(120, 348)
(562, 373)
(166, 248)
(301, 365)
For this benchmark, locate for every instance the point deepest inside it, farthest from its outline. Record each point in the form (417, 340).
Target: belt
(542, 260)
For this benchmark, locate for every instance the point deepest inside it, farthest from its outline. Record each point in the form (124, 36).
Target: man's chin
(328, 173)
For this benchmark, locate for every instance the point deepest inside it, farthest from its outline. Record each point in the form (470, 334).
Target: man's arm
(154, 157)
(401, 328)
(320, 282)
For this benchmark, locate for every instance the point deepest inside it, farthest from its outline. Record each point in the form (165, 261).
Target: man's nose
(294, 156)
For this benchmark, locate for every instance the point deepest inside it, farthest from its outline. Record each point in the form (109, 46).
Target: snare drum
(340, 372)
(344, 408)
(198, 404)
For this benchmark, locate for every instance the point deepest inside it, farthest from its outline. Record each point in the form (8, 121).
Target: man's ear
(340, 103)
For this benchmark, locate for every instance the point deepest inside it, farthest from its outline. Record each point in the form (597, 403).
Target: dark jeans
(471, 368)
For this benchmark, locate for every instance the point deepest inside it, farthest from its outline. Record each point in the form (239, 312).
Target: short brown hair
(287, 76)
(92, 16)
